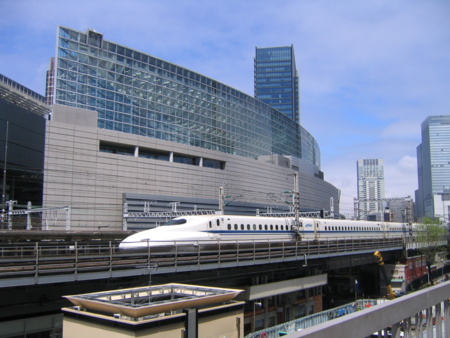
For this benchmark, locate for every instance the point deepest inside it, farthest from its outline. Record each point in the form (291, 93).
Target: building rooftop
(23, 97)
(151, 301)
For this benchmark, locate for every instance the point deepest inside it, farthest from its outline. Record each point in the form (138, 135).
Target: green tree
(430, 238)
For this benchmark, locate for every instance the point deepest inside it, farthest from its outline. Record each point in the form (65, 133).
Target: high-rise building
(433, 165)
(277, 80)
(370, 189)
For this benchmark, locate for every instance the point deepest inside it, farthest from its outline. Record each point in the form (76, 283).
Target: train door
(215, 227)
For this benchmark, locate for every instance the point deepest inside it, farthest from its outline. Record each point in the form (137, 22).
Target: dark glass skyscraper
(276, 80)
(433, 164)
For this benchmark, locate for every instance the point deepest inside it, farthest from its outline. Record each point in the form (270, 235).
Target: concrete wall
(77, 174)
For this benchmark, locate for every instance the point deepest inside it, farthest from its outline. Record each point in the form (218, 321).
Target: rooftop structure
(22, 97)
(152, 301)
(172, 309)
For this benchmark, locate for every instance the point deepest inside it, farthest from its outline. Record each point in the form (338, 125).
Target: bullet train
(210, 229)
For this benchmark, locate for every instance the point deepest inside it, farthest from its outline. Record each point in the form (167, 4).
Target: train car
(207, 229)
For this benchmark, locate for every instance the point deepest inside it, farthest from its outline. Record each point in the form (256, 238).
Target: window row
(271, 227)
(156, 154)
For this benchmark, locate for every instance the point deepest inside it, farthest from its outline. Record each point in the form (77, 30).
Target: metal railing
(302, 323)
(39, 261)
(424, 313)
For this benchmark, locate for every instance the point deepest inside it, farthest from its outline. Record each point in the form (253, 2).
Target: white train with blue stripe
(211, 229)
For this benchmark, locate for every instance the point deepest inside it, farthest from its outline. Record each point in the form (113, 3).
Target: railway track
(52, 259)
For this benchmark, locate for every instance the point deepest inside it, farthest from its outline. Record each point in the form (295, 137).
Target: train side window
(218, 222)
(282, 227)
(254, 226)
(242, 226)
(276, 227)
(210, 224)
(229, 226)
(265, 226)
(301, 224)
(260, 227)
(271, 227)
(248, 226)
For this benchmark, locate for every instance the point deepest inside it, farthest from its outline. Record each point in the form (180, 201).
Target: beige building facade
(92, 169)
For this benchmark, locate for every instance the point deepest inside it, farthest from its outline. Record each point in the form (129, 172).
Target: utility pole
(221, 200)
(4, 173)
(296, 200)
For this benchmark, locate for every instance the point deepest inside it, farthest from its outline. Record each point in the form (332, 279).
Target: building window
(178, 158)
(154, 154)
(116, 148)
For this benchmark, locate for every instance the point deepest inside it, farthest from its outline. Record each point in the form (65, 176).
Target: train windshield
(175, 222)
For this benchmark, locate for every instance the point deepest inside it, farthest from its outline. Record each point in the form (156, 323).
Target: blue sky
(370, 71)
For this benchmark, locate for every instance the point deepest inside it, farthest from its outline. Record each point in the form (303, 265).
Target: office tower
(433, 166)
(277, 81)
(370, 189)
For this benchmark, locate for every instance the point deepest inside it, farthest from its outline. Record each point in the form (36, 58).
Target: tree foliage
(430, 235)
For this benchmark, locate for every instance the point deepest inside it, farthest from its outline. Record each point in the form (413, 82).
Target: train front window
(176, 222)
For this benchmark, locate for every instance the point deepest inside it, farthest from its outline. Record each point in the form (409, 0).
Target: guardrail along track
(48, 259)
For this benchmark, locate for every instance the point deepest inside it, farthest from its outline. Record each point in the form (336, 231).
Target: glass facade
(276, 80)
(433, 162)
(139, 94)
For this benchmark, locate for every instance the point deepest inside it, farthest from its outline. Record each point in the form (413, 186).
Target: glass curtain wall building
(433, 164)
(163, 133)
(277, 81)
(139, 94)
(371, 194)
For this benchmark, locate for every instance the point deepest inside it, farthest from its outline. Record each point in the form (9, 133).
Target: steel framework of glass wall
(136, 93)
